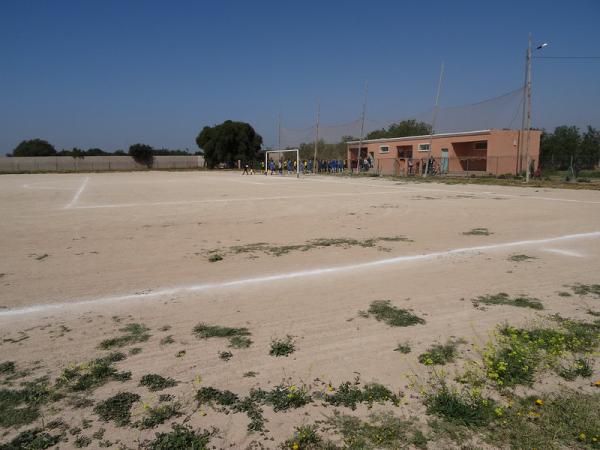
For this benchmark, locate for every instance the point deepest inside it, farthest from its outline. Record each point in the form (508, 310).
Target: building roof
(425, 136)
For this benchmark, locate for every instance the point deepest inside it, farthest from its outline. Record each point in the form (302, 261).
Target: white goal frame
(282, 151)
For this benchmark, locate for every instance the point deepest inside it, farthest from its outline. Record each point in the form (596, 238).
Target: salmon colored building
(482, 152)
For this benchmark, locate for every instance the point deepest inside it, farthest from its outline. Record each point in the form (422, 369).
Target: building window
(481, 145)
(384, 149)
(423, 147)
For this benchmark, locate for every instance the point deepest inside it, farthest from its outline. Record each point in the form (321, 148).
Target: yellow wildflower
(330, 388)
(295, 446)
(539, 402)
(597, 383)
(582, 436)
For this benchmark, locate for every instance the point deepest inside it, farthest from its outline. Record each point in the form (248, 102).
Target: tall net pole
(434, 118)
(528, 110)
(317, 136)
(362, 127)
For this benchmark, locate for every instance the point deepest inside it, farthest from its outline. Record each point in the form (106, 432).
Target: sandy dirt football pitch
(196, 276)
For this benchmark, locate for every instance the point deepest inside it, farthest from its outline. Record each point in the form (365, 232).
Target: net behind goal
(283, 162)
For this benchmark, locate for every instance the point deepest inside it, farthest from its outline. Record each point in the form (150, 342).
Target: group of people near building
(290, 166)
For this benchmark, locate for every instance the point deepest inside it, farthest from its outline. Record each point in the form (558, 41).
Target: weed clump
(225, 356)
(22, 406)
(117, 408)
(282, 347)
(155, 382)
(181, 437)
(167, 340)
(134, 334)
(7, 367)
(349, 394)
(284, 397)
(503, 298)
(440, 354)
(384, 311)
(226, 401)
(306, 437)
(215, 257)
(98, 372)
(521, 258)
(403, 347)
(35, 438)
(238, 337)
(159, 415)
(586, 289)
(477, 232)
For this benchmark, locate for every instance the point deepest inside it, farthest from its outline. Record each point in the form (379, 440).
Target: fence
(94, 163)
(457, 166)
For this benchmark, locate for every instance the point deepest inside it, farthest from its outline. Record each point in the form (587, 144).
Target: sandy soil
(94, 252)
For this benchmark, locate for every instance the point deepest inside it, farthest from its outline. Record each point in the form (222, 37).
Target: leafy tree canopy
(229, 142)
(34, 147)
(142, 154)
(567, 144)
(405, 128)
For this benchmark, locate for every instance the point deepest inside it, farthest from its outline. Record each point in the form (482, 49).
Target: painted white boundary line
(78, 193)
(289, 275)
(238, 199)
(562, 252)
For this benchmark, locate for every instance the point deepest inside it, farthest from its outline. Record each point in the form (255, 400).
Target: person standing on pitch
(245, 172)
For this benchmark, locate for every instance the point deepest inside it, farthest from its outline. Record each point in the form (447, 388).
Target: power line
(567, 57)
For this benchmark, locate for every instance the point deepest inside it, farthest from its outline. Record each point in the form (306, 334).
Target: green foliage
(567, 419)
(228, 401)
(34, 439)
(567, 144)
(34, 147)
(382, 431)
(282, 347)
(306, 438)
(440, 354)
(403, 347)
(325, 151)
(155, 382)
(82, 441)
(404, 128)
(142, 154)
(167, 340)
(250, 374)
(384, 311)
(98, 372)
(225, 356)
(478, 232)
(467, 407)
(181, 437)
(521, 258)
(7, 367)
(586, 289)
(229, 142)
(581, 367)
(22, 406)
(238, 337)
(284, 397)
(159, 415)
(350, 394)
(503, 298)
(134, 334)
(117, 408)
(215, 257)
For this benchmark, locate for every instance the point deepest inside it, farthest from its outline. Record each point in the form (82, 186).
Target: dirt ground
(89, 253)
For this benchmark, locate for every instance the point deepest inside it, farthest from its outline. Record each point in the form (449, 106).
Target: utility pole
(528, 88)
(362, 126)
(317, 136)
(433, 119)
(521, 143)
(279, 132)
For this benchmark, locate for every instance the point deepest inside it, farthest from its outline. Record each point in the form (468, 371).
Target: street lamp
(528, 91)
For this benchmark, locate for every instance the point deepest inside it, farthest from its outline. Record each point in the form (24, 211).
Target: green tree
(142, 154)
(405, 128)
(229, 142)
(558, 148)
(588, 154)
(34, 147)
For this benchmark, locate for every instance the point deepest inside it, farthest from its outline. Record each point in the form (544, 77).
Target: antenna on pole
(433, 119)
(362, 127)
(317, 135)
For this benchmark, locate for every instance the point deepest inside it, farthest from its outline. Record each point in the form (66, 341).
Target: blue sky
(111, 73)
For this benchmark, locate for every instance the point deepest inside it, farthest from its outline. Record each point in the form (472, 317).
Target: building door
(444, 161)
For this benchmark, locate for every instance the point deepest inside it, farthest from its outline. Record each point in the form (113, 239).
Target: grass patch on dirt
(181, 437)
(520, 258)
(86, 376)
(155, 382)
(503, 298)
(167, 340)
(158, 415)
(282, 347)
(238, 337)
(225, 356)
(286, 396)
(134, 334)
(22, 406)
(7, 368)
(477, 232)
(519, 353)
(403, 347)
(227, 401)
(350, 394)
(215, 257)
(440, 354)
(380, 431)
(593, 313)
(117, 408)
(384, 311)
(34, 439)
(306, 437)
(250, 374)
(586, 289)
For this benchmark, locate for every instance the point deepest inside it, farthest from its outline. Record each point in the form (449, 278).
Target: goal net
(284, 162)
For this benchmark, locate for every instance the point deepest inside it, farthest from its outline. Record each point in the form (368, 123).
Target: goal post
(292, 150)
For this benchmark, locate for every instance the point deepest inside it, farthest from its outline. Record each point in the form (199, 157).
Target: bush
(142, 154)
(34, 147)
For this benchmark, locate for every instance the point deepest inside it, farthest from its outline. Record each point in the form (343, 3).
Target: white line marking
(559, 251)
(222, 200)
(78, 193)
(290, 275)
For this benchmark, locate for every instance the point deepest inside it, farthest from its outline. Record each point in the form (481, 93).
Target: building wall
(500, 157)
(92, 163)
